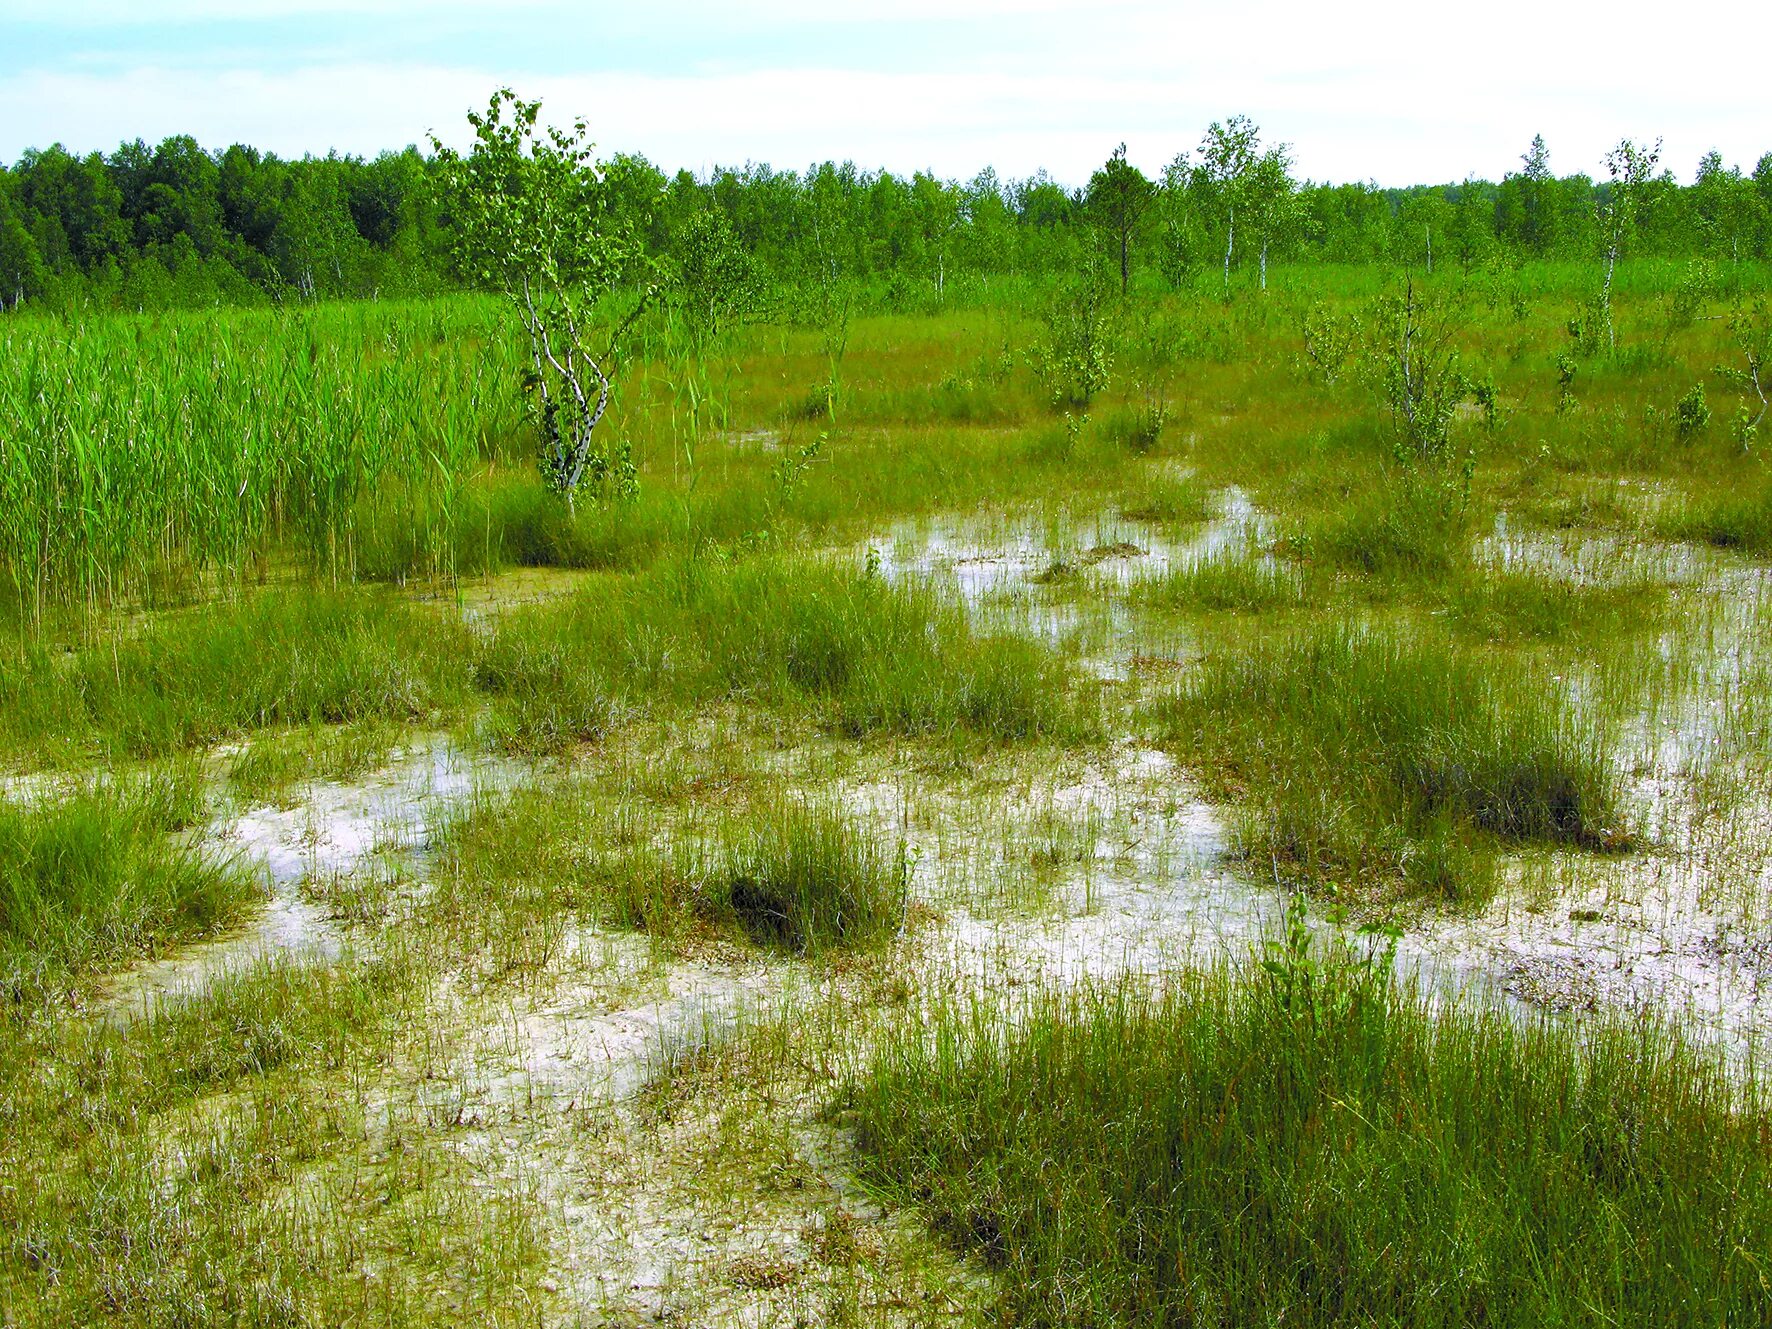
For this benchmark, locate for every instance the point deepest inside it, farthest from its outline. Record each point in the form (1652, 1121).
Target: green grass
(807, 878)
(782, 872)
(1376, 758)
(777, 629)
(190, 679)
(94, 880)
(871, 656)
(1510, 605)
(269, 768)
(206, 1164)
(1404, 528)
(1736, 518)
(184, 552)
(1229, 580)
(1166, 498)
(1300, 1144)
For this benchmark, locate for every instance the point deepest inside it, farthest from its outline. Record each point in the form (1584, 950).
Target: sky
(1394, 91)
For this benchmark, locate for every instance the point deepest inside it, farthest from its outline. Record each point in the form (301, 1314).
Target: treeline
(176, 225)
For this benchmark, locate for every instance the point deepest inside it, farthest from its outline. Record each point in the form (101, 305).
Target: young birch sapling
(531, 221)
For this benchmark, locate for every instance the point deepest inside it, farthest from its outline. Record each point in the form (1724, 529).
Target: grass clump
(1410, 528)
(1739, 517)
(1301, 1143)
(1501, 604)
(1167, 498)
(806, 878)
(94, 880)
(1369, 757)
(1228, 580)
(190, 679)
(786, 873)
(875, 656)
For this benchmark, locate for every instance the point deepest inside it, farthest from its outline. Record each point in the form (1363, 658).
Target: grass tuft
(1406, 529)
(1231, 579)
(92, 881)
(1299, 1143)
(806, 878)
(1371, 757)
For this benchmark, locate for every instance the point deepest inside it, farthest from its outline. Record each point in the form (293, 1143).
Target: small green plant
(1330, 340)
(1696, 286)
(1075, 358)
(1149, 417)
(1691, 414)
(1586, 327)
(1420, 373)
(1567, 368)
(789, 471)
(1488, 399)
(1744, 428)
(1751, 328)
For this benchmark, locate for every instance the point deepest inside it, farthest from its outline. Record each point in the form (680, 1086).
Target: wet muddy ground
(1048, 870)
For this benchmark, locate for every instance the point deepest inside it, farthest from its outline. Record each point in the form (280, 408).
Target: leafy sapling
(1752, 329)
(1630, 168)
(530, 220)
(1419, 372)
(1691, 414)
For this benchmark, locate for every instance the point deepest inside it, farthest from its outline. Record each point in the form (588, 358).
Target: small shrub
(1691, 414)
(1075, 358)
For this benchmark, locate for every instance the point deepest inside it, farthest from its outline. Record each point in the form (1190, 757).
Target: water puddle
(985, 557)
(1016, 571)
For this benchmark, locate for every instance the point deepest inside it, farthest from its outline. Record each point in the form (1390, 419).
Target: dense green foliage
(146, 228)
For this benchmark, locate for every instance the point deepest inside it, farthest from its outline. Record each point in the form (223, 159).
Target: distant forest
(176, 225)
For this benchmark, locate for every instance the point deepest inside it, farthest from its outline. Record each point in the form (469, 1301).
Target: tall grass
(1407, 527)
(807, 878)
(1298, 1143)
(1376, 758)
(1739, 517)
(190, 679)
(875, 657)
(1230, 579)
(138, 449)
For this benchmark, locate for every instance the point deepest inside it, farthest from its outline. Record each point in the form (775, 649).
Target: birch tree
(1272, 203)
(530, 221)
(1631, 168)
(1228, 158)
